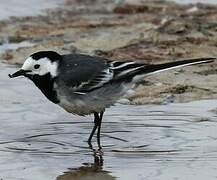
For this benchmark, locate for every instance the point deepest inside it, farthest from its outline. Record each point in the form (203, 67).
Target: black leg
(97, 124)
(99, 128)
(96, 119)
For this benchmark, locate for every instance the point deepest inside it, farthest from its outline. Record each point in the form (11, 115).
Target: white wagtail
(84, 85)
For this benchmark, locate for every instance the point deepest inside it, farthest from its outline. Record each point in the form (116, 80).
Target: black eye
(36, 66)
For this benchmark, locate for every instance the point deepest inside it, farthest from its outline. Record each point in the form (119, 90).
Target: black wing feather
(84, 73)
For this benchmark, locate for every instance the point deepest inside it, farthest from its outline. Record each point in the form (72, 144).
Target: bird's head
(39, 64)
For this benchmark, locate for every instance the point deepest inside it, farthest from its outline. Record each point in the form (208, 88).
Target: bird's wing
(114, 71)
(96, 81)
(84, 73)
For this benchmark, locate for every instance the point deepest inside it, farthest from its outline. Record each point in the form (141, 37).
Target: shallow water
(38, 140)
(10, 8)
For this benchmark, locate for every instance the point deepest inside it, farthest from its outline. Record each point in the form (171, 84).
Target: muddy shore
(126, 30)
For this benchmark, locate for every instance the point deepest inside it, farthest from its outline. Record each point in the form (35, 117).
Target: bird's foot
(90, 145)
(98, 152)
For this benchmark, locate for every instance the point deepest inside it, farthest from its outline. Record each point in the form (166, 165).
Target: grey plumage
(83, 84)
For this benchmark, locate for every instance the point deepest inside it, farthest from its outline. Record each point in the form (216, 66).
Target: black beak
(21, 72)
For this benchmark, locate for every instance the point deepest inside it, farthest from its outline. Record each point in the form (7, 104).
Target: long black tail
(128, 70)
(150, 69)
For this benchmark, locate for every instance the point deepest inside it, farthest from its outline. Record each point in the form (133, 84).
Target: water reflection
(88, 171)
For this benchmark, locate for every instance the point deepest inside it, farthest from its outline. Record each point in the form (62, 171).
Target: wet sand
(38, 140)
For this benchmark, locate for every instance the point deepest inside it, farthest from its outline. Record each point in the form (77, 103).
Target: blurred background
(163, 140)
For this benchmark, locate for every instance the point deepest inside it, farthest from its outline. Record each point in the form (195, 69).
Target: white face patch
(45, 66)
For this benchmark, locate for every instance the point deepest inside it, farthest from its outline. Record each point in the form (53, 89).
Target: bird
(85, 85)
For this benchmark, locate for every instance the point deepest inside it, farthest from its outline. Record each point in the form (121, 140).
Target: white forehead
(45, 66)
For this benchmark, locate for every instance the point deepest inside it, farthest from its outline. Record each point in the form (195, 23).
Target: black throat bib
(45, 83)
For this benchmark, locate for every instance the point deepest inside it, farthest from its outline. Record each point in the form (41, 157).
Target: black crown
(52, 55)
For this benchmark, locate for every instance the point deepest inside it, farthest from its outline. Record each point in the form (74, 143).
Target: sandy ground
(126, 30)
